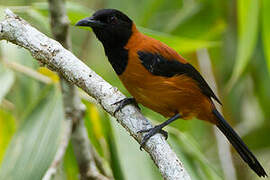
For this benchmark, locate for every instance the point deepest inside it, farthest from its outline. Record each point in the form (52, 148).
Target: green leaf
(134, 164)
(266, 30)
(189, 149)
(38, 17)
(99, 128)
(115, 153)
(150, 7)
(248, 17)
(190, 9)
(188, 143)
(33, 147)
(180, 44)
(6, 81)
(7, 130)
(26, 90)
(75, 11)
(184, 157)
(70, 164)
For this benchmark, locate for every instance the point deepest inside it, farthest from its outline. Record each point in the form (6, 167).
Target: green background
(236, 36)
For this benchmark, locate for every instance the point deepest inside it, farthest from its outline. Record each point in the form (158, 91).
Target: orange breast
(164, 95)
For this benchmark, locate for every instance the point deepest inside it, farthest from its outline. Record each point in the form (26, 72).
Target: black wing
(160, 66)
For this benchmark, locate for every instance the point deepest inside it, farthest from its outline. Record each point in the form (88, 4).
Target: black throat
(118, 58)
(114, 45)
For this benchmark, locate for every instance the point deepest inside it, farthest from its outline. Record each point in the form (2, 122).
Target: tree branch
(57, 58)
(74, 109)
(84, 155)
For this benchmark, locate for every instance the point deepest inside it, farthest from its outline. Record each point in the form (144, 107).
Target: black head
(112, 27)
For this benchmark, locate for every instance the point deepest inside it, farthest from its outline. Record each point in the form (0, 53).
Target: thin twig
(51, 53)
(28, 71)
(65, 136)
(40, 77)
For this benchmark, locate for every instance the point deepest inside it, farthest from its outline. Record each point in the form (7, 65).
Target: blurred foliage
(265, 29)
(6, 80)
(248, 20)
(236, 36)
(6, 130)
(34, 144)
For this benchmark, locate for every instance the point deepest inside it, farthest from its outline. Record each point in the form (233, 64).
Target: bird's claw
(151, 132)
(122, 103)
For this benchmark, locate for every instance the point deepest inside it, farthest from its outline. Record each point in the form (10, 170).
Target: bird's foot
(122, 103)
(152, 132)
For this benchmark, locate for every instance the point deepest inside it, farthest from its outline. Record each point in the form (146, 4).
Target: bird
(160, 79)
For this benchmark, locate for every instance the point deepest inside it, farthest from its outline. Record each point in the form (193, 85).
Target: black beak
(91, 22)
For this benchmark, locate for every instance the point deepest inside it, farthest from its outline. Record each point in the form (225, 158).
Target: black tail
(239, 145)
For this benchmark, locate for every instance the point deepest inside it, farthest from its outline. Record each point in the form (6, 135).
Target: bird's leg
(122, 103)
(157, 129)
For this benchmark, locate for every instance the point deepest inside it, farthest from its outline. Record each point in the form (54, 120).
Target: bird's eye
(112, 20)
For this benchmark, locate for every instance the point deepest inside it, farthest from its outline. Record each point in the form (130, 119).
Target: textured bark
(57, 58)
(74, 109)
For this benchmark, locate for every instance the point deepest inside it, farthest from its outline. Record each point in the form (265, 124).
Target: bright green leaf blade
(7, 130)
(115, 153)
(266, 30)
(180, 44)
(33, 147)
(70, 164)
(248, 14)
(99, 128)
(6, 81)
